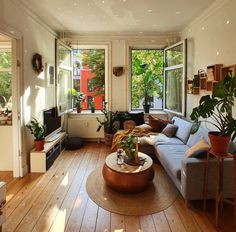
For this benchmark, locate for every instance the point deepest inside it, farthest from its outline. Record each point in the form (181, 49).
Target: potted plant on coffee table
(217, 110)
(39, 132)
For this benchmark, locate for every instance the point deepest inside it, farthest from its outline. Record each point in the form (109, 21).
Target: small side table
(219, 182)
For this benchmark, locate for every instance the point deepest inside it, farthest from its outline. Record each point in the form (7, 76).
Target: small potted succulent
(39, 132)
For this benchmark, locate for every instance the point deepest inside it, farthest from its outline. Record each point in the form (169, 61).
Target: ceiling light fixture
(203, 28)
(227, 22)
(150, 11)
(124, 0)
(178, 12)
(103, 2)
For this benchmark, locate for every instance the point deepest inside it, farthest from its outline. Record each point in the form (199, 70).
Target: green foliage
(91, 105)
(111, 121)
(36, 129)
(5, 76)
(219, 107)
(147, 76)
(78, 98)
(129, 145)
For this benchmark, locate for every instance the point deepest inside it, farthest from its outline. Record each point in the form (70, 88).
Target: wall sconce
(118, 71)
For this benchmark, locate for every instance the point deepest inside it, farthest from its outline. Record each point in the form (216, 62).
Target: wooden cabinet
(228, 70)
(2, 203)
(41, 161)
(213, 76)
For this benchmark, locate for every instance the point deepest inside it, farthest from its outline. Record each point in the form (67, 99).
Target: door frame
(17, 110)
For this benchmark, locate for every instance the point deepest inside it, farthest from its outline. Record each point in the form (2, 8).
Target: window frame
(107, 49)
(175, 67)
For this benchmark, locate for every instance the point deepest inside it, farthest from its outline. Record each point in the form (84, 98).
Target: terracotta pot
(78, 110)
(108, 139)
(39, 144)
(219, 143)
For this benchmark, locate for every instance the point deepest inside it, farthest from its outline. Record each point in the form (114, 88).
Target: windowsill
(86, 112)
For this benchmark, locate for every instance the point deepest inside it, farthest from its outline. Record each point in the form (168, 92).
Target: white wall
(211, 40)
(35, 95)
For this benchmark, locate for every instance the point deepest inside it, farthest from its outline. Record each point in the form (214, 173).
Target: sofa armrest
(192, 178)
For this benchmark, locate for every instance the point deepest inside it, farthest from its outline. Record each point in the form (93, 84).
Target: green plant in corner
(37, 129)
(218, 108)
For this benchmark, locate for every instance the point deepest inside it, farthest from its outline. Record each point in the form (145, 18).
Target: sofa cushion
(157, 124)
(170, 130)
(172, 157)
(202, 133)
(200, 146)
(184, 128)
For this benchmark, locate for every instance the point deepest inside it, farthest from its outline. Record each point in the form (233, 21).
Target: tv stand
(41, 161)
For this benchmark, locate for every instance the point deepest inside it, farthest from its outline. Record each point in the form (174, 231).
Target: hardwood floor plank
(147, 224)
(186, 216)
(174, 219)
(50, 197)
(160, 222)
(77, 214)
(132, 224)
(117, 222)
(64, 212)
(47, 182)
(103, 221)
(47, 217)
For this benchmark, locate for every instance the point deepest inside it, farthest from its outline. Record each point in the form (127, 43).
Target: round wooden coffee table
(126, 178)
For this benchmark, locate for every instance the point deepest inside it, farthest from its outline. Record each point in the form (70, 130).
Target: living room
(209, 32)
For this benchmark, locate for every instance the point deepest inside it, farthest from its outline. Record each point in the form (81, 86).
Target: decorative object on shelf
(50, 74)
(118, 71)
(120, 157)
(39, 132)
(218, 108)
(78, 99)
(37, 63)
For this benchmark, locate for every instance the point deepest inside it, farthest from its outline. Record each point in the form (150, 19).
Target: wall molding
(33, 16)
(208, 12)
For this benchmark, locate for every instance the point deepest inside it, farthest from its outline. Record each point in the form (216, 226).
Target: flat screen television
(52, 122)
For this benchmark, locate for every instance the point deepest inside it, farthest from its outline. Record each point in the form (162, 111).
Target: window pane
(64, 55)
(174, 56)
(5, 81)
(89, 75)
(173, 91)
(153, 88)
(64, 87)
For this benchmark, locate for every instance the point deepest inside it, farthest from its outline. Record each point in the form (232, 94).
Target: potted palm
(39, 132)
(217, 110)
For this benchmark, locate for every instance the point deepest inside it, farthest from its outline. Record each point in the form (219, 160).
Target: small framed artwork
(50, 74)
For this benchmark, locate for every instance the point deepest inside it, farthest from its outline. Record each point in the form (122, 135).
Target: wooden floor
(57, 201)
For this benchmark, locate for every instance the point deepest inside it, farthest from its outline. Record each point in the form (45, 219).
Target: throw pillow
(138, 118)
(157, 124)
(170, 130)
(129, 124)
(143, 128)
(202, 145)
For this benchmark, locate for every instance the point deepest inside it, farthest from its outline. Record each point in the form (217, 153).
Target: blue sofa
(188, 173)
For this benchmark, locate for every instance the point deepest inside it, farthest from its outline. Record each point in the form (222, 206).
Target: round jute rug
(158, 196)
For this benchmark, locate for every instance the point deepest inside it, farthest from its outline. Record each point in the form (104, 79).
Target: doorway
(10, 135)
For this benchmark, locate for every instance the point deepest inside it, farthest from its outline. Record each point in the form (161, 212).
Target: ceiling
(117, 16)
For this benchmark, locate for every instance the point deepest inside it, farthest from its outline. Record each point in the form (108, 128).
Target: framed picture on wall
(50, 74)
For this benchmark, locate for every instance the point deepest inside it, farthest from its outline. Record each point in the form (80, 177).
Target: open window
(64, 77)
(175, 78)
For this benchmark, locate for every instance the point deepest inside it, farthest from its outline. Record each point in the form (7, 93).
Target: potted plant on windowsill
(149, 81)
(92, 107)
(39, 132)
(78, 99)
(217, 110)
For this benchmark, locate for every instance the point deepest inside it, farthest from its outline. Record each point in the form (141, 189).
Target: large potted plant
(39, 132)
(217, 110)
(148, 85)
(110, 123)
